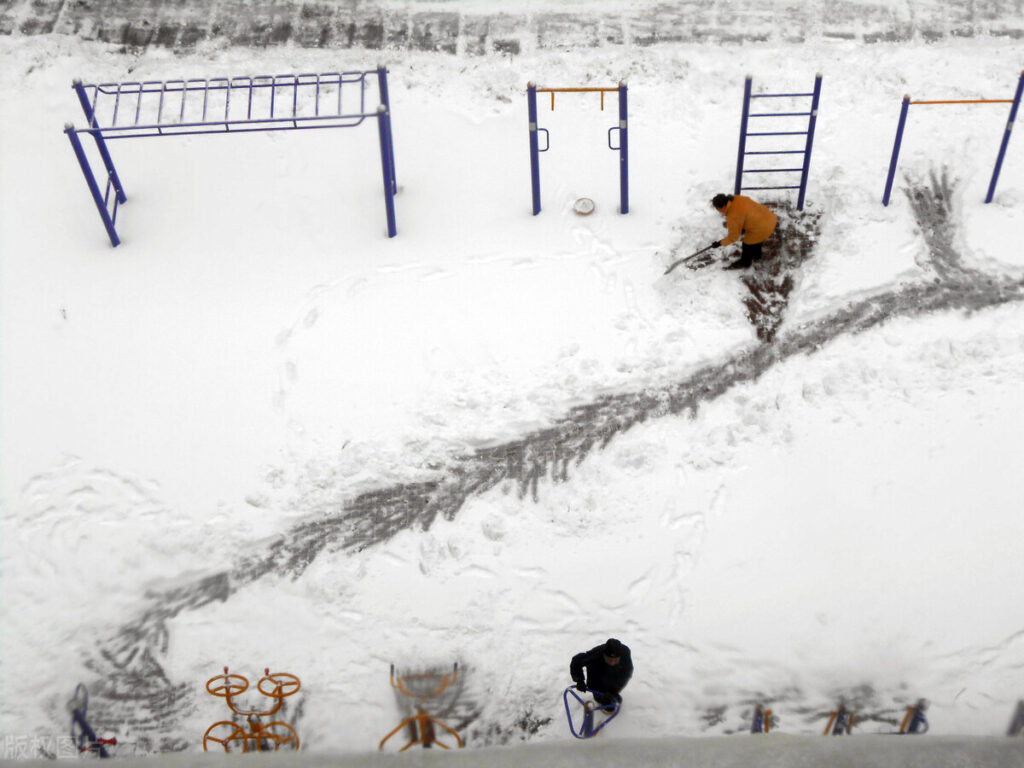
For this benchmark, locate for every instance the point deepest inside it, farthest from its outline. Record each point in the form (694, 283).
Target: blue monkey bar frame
(1015, 102)
(805, 166)
(226, 105)
(623, 134)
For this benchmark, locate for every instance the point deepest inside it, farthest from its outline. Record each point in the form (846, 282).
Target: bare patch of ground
(772, 279)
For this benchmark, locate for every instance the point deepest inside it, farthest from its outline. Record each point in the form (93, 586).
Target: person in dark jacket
(608, 668)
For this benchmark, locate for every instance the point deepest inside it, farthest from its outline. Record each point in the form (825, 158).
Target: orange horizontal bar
(553, 91)
(967, 101)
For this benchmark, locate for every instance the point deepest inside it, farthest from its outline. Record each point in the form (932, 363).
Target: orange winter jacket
(743, 214)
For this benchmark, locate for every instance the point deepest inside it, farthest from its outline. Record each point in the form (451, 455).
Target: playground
(384, 407)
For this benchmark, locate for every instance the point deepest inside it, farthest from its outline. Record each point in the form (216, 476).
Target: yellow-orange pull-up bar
(967, 101)
(1015, 101)
(553, 91)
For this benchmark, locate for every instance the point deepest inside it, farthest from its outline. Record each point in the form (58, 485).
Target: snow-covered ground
(261, 433)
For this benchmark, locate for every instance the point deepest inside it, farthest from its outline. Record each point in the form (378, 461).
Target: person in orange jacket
(753, 221)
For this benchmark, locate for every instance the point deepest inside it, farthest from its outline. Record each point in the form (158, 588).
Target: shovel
(676, 263)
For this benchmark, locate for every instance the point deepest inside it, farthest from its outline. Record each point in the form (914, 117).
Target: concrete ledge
(771, 751)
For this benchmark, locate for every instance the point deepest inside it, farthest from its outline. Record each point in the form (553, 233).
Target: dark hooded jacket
(600, 675)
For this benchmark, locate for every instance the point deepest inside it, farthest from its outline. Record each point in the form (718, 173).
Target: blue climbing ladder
(225, 105)
(789, 116)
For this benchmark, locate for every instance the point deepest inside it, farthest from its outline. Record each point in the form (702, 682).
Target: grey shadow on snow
(132, 689)
(863, 701)
(453, 704)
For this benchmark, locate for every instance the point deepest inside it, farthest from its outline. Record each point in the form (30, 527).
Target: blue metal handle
(614, 128)
(547, 139)
(587, 730)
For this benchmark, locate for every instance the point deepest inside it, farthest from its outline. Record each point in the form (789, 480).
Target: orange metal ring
(284, 684)
(280, 740)
(235, 733)
(231, 685)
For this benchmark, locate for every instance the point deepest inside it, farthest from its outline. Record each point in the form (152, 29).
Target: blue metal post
(1006, 140)
(587, 729)
(1017, 721)
(896, 150)
(382, 82)
(757, 726)
(90, 179)
(842, 724)
(623, 151)
(384, 129)
(918, 722)
(743, 135)
(83, 99)
(531, 106)
(810, 142)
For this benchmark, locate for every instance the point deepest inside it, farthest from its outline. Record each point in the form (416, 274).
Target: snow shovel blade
(685, 259)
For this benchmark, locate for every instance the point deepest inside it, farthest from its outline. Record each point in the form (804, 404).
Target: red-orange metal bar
(828, 725)
(424, 732)
(967, 101)
(906, 719)
(423, 723)
(553, 91)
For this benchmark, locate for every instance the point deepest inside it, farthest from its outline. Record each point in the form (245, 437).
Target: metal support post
(385, 99)
(101, 144)
(90, 179)
(623, 151)
(743, 134)
(387, 168)
(1006, 139)
(531, 105)
(896, 149)
(1017, 722)
(810, 142)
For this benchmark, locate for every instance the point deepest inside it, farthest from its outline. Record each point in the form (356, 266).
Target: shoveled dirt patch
(772, 279)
